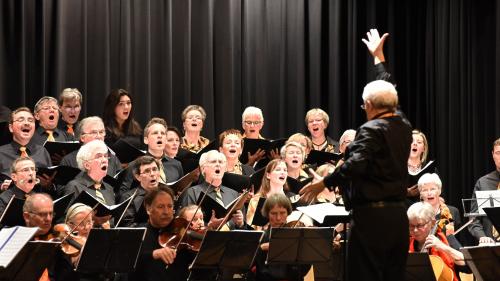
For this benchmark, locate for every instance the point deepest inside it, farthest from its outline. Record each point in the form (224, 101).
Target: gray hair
(42, 101)
(85, 122)
(209, 155)
(88, 150)
(346, 133)
(251, 110)
(429, 178)
(381, 94)
(30, 201)
(421, 211)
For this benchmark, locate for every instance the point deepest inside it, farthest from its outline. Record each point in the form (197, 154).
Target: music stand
(329, 215)
(111, 250)
(419, 268)
(30, 262)
(484, 261)
(228, 252)
(300, 245)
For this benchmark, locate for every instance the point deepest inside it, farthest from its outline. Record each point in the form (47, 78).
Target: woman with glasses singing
(119, 119)
(193, 117)
(317, 121)
(252, 121)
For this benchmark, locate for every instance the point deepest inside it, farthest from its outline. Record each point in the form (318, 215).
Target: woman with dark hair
(173, 142)
(118, 119)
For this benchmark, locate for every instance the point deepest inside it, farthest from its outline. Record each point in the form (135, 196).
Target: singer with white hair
(23, 175)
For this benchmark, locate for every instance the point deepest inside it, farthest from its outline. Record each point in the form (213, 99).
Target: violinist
(23, 174)
(38, 211)
(213, 166)
(152, 260)
(79, 219)
(429, 187)
(421, 216)
(276, 208)
(198, 222)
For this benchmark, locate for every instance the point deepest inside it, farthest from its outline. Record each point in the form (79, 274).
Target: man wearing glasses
(47, 114)
(23, 175)
(92, 159)
(147, 172)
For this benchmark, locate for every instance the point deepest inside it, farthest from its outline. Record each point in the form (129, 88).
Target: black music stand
(484, 261)
(300, 245)
(227, 253)
(328, 215)
(30, 262)
(419, 268)
(111, 250)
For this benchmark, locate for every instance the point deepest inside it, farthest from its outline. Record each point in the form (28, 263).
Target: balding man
(38, 211)
(372, 180)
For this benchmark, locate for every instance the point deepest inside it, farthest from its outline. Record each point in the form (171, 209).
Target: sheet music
(12, 240)
(318, 212)
(487, 198)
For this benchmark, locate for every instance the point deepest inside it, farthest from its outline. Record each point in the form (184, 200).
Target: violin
(71, 244)
(178, 236)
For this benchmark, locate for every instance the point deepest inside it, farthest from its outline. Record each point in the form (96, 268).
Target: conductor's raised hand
(375, 44)
(309, 192)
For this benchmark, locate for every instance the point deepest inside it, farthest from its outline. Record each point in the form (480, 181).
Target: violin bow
(126, 208)
(80, 223)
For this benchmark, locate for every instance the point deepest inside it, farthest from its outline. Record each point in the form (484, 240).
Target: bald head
(381, 94)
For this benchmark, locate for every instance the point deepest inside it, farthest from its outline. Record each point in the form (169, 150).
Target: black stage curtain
(284, 56)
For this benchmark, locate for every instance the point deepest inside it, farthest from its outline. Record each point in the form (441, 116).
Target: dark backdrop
(284, 56)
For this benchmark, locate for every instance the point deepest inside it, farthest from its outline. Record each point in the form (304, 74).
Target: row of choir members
(93, 128)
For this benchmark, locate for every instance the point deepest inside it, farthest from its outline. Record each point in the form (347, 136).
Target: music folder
(319, 158)
(326, 214)
(252, 145)
(102, 209)
(111, 250)
(61, 147)
(258, 219)
(189, 159)
(21, 259)
(63, 174)
(126, 152)
(210, 204)
(181, 184)
(228, 251)
(493, 214)
(419, 268)
(296, 185)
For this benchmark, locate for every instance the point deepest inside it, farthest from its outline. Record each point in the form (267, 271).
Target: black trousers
(378, 244)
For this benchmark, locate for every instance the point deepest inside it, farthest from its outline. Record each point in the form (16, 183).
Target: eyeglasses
(215, 162)
(149, 171)
(95, 133)
(419, 226)
(100, 156)
(363, 106)
(22, 120)
(43, 214)
(83, 224)
(250, 123)
(28, 169)
(48, 107)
